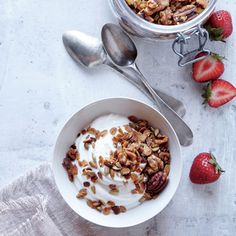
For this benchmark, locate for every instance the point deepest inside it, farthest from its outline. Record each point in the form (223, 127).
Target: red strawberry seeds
(205, 169)
(220, 25)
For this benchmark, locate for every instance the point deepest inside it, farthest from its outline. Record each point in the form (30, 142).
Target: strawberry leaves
(215, 163)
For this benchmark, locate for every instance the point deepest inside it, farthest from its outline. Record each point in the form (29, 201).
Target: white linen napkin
(32, 206)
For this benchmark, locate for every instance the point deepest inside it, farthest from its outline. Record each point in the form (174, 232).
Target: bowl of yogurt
(117, 162)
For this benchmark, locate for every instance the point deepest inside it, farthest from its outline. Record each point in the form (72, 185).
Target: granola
(167, 12)
(136, 163)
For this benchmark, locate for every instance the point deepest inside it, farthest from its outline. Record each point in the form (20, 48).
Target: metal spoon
(123, 52)
(89, 51)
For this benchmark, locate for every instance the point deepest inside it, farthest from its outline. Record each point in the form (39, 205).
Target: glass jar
(180, 34)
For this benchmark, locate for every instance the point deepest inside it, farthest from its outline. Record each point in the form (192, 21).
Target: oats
(93, 164)
(156, 132)
(82, 163)
(104, 133)
(106, 171)
(112, 173)
(93, 188)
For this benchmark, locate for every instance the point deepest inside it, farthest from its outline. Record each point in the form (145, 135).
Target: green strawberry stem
(215, 163)
(215, 34)
(207, 93)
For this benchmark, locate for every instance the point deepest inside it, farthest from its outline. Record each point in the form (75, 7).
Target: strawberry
(205, 169)
(218, 93)
(219, 25)
(209, 68)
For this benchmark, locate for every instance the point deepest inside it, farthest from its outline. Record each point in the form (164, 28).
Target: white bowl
(127, 107)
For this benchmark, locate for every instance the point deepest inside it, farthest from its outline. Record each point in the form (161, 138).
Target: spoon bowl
(84, 49)
(119, 47)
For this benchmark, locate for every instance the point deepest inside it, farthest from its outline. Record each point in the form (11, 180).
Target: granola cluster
(141, 155)
(167, 12)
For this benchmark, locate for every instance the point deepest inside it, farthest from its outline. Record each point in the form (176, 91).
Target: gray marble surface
(41, 87)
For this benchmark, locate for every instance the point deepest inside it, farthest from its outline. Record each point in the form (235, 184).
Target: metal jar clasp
(179, 46)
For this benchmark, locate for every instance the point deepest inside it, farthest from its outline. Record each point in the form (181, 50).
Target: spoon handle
(174, 103)
(182, 130)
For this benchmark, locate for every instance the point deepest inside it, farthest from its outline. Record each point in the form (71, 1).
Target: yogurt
(103, 146)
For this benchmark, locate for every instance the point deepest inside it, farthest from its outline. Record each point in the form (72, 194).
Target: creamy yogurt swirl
(103, 146)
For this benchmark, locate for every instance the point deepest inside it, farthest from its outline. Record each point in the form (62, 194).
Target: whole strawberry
(209, 68)
(205, 169)
(218, 93)
(219, 25)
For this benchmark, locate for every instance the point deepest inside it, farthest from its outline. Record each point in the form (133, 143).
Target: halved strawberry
(209, 68)
(218, 93)
(219, 25)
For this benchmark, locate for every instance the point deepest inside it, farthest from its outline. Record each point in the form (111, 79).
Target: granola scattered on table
(167, 12)
(121, 167)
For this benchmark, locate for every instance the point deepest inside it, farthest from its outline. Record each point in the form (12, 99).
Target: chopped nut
(123, 209)
(108, 163)
(101, 161)
(116, 210)
(155, 163)
(106, 210)
(147, 151)
(114, 191)
(86, 184)
(111, 203)
(72, 153)
(100, 175)
(167, 169)
(83, 163)
(132, 156)
(125, 171)
(113, 131)
(94, 178)
(82, 193)
(165, 11)
(112, 186)
(96, 204)
(90, 203)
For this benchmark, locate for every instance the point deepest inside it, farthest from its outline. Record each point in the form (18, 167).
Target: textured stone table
(41, 87)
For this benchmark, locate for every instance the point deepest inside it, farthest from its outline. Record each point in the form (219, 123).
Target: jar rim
(164, 28)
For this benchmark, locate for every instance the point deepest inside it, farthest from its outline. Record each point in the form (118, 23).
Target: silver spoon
(89, 51)
(123, 52)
